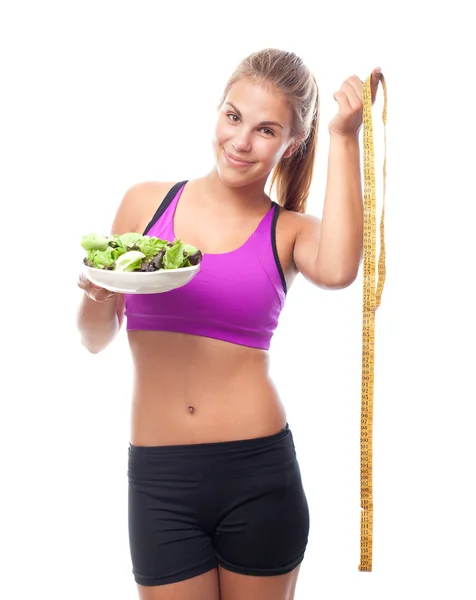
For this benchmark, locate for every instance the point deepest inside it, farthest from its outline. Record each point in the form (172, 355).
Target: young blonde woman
(217, 510)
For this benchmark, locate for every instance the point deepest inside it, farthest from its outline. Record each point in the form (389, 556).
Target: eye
(267, 131)
(234, 118)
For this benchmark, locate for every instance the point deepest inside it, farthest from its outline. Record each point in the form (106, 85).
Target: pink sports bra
(236, 296)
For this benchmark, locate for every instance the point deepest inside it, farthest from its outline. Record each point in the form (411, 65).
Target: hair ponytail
(293, 175)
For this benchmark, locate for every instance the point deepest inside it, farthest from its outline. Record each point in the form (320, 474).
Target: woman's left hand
(348, 119)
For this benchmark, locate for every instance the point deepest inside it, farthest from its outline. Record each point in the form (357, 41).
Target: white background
(97, 96)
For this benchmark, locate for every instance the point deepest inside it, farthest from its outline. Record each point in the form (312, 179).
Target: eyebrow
(262, 122)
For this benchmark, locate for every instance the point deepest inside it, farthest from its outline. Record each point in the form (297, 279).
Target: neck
(251, 196)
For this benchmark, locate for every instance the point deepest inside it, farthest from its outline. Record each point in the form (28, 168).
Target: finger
(83, 281)
(374, 81)
(375, 78)
(354, 93)
(356, 85)
(86, 284)
(355, 81)
(341, 98)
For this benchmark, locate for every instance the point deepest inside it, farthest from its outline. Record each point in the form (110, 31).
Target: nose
(242, 144)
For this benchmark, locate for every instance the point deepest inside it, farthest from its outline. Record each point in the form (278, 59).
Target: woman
(216, 504)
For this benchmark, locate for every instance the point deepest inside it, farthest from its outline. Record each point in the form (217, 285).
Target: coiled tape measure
(371, 301)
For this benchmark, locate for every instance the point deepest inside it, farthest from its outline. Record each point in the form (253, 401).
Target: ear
(293, 146)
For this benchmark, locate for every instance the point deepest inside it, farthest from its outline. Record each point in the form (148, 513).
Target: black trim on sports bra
(164, 205)
(275, 249)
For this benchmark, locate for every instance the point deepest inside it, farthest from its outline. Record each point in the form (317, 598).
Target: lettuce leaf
(150, 246)
(129, 261)
(132, 251)
(173, 256)
(129, 240)
(94, 241)
(101, 259)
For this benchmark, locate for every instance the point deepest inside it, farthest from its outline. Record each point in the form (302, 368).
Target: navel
(191, 409)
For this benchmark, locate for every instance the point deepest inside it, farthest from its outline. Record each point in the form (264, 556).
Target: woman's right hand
(93, 291)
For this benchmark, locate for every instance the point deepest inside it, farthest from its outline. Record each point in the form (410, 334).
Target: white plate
(154, 282)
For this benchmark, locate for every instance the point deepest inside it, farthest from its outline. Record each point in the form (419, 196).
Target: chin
(233, 179)
(229, 181)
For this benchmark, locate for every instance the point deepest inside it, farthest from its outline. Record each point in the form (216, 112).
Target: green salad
(136, 252)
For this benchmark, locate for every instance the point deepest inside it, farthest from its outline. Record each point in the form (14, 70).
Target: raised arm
(328, 251)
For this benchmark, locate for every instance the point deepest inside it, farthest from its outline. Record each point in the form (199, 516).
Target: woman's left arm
(328, 251)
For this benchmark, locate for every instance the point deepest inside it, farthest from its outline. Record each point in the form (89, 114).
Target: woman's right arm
(101, 312)
(99, 317)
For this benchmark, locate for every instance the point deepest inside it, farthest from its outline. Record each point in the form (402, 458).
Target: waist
(189, 389)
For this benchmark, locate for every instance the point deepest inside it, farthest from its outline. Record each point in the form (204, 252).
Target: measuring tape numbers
(371, 301)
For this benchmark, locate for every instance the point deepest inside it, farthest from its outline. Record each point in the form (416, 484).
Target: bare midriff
(189, 390)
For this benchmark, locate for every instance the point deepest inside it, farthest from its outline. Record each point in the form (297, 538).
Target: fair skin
(217, 213)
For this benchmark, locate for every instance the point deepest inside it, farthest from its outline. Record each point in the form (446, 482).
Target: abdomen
(191, 389)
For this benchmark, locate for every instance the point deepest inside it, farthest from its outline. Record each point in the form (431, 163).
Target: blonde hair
(288, 73)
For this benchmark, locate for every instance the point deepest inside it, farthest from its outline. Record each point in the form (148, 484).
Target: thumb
(83, 281)
(374, 81)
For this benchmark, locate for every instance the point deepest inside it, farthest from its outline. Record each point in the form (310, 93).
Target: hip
(228, 474)
(240, 504)
(213, 459)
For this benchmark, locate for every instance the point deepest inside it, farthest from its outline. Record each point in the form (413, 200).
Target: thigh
(203, 587)
(168, 545)
(234, 586)
(265, 529)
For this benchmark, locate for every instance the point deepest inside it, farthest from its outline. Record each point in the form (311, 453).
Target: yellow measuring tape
(371, 300)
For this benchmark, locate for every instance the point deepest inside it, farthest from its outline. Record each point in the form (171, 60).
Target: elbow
(88, 341)
(336, 280)
(96, 339)
(339, 283)
(91, 347)
(95, 343)
(346, 279)
(337, 276)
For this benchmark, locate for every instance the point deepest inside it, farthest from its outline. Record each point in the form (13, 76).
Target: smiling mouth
(238, 162)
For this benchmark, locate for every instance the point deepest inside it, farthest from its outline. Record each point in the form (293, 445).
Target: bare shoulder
(291, 225)
(139, 204)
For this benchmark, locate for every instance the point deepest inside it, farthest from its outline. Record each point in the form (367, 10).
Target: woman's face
(253, 131)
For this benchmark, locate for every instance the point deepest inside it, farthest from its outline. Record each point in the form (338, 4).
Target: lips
(236, 161)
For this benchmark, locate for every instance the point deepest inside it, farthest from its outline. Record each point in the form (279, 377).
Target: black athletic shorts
(239, 504)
